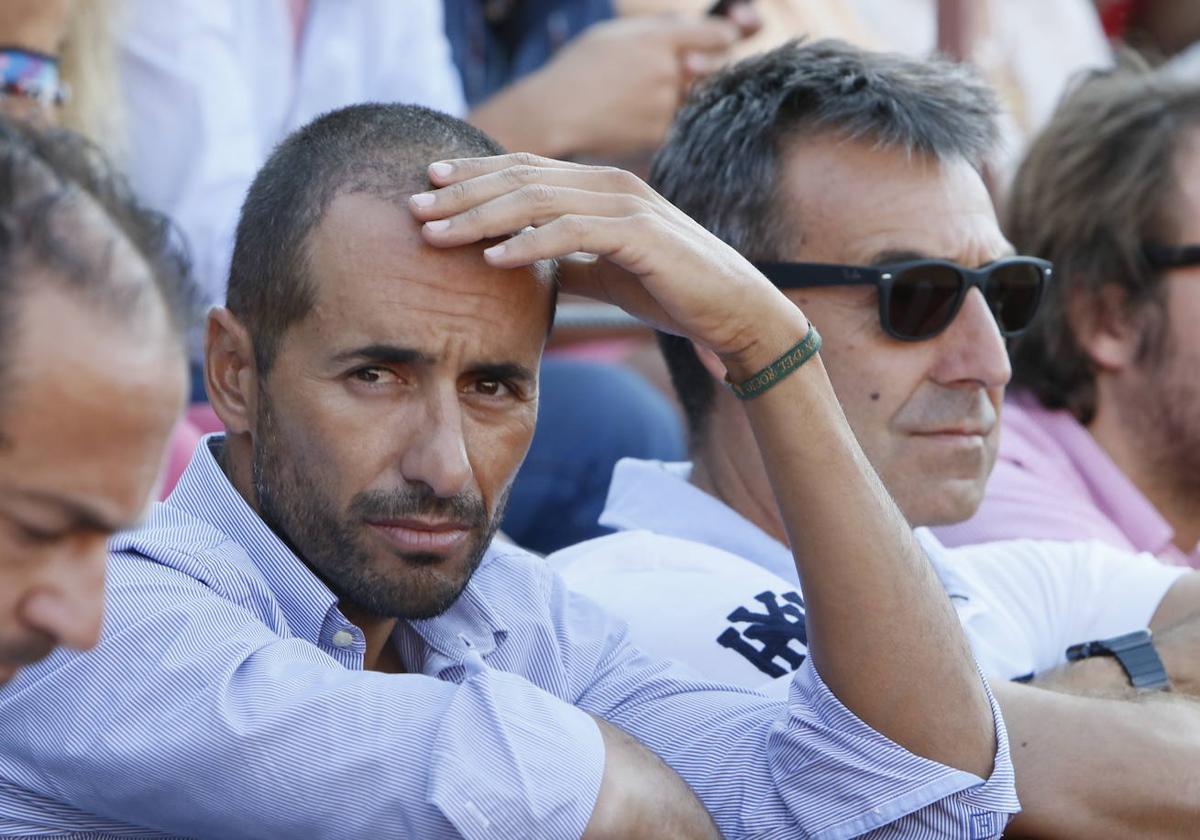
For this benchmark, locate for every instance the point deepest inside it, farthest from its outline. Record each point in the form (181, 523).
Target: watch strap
(1134, 652)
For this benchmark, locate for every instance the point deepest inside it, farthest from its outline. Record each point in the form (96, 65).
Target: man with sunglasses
(1102, 425)
(853, 185)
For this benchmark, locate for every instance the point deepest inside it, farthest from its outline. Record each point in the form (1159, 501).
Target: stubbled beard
(1163, 416)
(288, 493)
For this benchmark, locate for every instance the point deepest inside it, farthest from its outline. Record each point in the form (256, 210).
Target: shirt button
(343, 638)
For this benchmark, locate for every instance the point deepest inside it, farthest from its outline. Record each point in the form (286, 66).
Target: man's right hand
(655, 262)
(613, 90)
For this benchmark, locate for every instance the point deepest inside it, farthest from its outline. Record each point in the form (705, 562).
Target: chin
(427, 584)
(953, 503)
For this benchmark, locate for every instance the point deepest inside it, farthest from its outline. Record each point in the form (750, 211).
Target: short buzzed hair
(54, 187)
(379, 149)
(721, 162)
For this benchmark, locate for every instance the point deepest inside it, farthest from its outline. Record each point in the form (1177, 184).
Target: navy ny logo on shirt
(769, 636)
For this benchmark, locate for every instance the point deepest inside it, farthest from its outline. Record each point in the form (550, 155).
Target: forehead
(853, 201)
(88, 402)
(378, 281)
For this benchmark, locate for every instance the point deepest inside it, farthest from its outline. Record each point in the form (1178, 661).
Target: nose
(67, 603)
(437, 451)
(972, 349)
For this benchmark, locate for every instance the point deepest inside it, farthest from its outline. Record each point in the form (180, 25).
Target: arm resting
(1096, 768)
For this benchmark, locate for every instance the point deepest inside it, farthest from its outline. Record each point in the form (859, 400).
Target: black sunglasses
(1163, 257)
(919, 298)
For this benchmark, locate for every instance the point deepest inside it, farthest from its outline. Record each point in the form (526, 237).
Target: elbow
(640, 796)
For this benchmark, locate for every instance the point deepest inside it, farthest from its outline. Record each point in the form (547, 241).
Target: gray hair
(721, 160)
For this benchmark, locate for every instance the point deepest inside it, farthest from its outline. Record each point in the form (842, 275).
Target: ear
(1105, 328)
(230, 375)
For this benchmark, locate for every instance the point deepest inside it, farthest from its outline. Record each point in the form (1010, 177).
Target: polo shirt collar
(658, 496)
(1111, 490)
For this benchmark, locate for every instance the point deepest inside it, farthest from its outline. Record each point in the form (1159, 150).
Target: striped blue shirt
(228, 700)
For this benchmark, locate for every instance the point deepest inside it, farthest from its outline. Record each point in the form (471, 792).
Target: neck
(726, 464)
(1151, 469)
(379, 655)
(234, 458)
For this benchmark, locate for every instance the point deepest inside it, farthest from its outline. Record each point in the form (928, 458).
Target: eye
(373, 375)
(491, 388)
(37, 536)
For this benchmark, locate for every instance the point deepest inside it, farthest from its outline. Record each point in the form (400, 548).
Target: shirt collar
(1114, 494)
(657, 496)
(469, 626)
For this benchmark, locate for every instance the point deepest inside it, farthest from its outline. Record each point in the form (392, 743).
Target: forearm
(1092, 768)
(880, 629)
(1103, 676)
(1100, 676)
(742, 762)
(1176, 626)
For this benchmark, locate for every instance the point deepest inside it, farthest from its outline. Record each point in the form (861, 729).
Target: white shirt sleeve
(1121, 591)
(413, 61)
(212, 85)
(1024, 602)
(193, 132)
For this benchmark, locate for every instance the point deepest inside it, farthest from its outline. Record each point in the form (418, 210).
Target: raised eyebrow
(389, 354)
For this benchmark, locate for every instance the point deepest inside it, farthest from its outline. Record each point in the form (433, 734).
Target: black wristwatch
(1136, 654)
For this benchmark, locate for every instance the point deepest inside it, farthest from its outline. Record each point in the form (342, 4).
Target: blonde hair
(88, 67)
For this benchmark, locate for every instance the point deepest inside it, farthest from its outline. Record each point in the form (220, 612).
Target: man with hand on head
(850, 179)
(92, 364)
(317, 613)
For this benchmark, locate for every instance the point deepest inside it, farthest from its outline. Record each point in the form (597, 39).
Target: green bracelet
(778, 370)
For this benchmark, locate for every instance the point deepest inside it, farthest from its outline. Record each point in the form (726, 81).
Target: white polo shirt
(699, 583)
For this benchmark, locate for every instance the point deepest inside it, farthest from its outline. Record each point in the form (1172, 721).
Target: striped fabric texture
(228, 700)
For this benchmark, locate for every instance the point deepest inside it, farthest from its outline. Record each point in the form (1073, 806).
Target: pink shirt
(1053, 481)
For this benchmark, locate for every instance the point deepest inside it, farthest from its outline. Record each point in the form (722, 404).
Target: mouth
(968, 436)
(422, 536)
